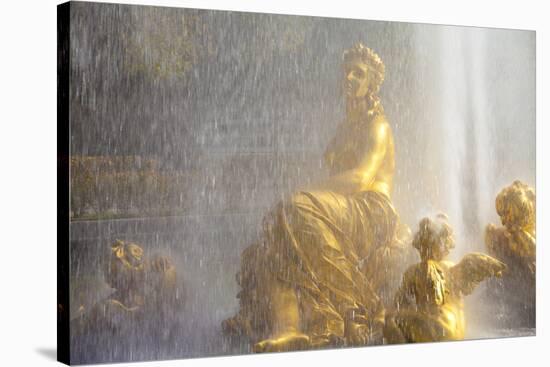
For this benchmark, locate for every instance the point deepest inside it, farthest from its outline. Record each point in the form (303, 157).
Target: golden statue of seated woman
(429, 304)
(306, 283)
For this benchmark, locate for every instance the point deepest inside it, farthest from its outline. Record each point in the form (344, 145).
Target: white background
(28, 182)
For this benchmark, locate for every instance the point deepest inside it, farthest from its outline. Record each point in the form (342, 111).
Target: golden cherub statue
(144, 288)
(514, 243)
(429, 305)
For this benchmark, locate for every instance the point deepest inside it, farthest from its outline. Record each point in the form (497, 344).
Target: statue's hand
(357, 328)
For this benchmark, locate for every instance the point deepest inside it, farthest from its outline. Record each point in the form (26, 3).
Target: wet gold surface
(429, 304)
(311, 281)
(515, 241)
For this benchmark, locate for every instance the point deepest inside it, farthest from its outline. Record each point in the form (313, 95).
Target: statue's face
(134, 255)
(126, 265)
(128, 255)
(358, 79)
(441, 250)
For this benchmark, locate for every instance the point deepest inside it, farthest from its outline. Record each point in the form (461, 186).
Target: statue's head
(364, 71)
(516, 206)
(434, 238)
(125, 266)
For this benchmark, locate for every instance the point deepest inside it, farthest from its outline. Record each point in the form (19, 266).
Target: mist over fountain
(478, 122)
(476, 117)
(245, 121)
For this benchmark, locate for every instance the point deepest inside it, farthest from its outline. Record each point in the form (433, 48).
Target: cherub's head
(434, 238)
(125, 266)
(516, 206)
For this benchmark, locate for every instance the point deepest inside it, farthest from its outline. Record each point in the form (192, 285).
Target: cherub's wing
(472, 270)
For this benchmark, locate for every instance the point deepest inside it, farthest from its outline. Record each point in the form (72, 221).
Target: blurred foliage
(267, 36)
(290, 35)
(163, 44)
(106, 187)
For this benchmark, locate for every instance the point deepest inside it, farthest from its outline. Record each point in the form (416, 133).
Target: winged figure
(429, 305)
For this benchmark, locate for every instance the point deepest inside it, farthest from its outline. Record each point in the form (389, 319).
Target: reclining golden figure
(429, 305)
(306, 283)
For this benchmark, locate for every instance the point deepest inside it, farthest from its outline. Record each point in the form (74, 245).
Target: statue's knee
(299, 199)
(292, 209)
(295, 205)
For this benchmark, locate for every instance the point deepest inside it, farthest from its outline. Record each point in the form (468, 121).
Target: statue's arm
(404, 297)
(377, 145)
(492, 239)
(361, 177)
(501, 242)
(524, 245)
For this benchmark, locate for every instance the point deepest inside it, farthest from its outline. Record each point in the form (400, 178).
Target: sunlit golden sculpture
(429, 305)
(134, 277)
(514, 243)
(305, 284)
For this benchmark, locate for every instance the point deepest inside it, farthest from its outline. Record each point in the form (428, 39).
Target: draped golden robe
(318, 243)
